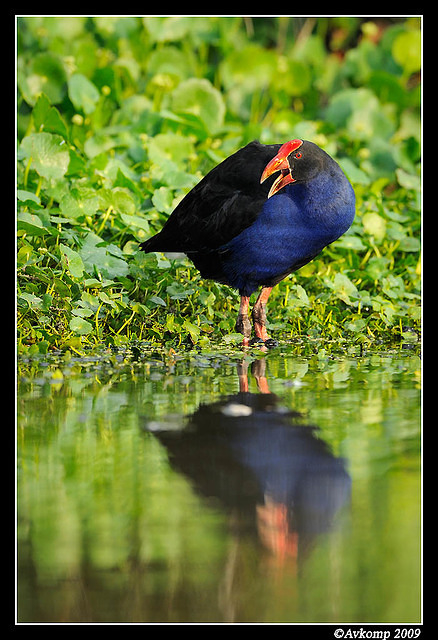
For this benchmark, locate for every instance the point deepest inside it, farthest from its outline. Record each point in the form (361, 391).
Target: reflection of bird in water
(266, 467)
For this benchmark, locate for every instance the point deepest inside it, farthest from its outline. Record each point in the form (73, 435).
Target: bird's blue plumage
(292, 228)
(243, 228)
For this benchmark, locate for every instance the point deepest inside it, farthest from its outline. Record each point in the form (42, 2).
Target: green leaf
(158, 301)
(101, 258)
(82, 312)
(302, 299)
(178, 291)
(251, 68)
(163, 199)
(26, 196)
(83, 93)
(80, 326)
(350, 242)
(406, 50)
(353, 173)
(171, 61)
(344, 288)
(170, 146)
(31, 224)
(409, 244)
(198, 97)
(45, 74)
(47, 117)
(49, 153)
(164, 29)
(407, 180)
(193, 330)
(375, 225)
(119, 199)
(73, 205)
(33, 301)
(72, 260)
(138, 226)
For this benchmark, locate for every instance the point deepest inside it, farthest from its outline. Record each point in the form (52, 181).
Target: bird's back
(225, 202)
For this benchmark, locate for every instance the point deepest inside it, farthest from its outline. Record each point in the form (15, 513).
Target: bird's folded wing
(220, 206)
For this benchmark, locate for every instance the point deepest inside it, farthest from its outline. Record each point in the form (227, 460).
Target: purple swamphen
(243, 228)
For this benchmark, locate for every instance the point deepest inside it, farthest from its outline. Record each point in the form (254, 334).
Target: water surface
(218, 487)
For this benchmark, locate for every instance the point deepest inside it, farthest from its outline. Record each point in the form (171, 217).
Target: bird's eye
(298, 155)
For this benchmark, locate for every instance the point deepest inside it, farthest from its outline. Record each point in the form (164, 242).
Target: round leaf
(83, 93)
(406, 50)
(72, 261)
(31, 224)
(375, 225)
(80, 326)
(198, 97)
(49, 153)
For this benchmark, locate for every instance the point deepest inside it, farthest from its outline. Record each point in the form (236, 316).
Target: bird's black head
(297, 161)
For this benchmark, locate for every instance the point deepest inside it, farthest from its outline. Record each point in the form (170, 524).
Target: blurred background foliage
(120, 116)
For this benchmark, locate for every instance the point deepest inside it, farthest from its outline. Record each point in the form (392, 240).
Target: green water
(151, 490)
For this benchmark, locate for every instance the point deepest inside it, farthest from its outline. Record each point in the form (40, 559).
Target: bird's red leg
(258, 369)
(242, 371)
(243, 324)
(259, 314)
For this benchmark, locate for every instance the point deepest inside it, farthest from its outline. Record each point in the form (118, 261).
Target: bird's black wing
(224, 203)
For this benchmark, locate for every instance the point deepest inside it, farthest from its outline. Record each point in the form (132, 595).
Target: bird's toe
(256, 341)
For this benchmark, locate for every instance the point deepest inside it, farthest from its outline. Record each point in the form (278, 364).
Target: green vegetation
(118, 117)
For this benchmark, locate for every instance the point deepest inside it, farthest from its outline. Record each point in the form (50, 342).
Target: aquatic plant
(118, 117)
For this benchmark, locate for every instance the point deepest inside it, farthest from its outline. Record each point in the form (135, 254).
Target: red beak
(280, 163)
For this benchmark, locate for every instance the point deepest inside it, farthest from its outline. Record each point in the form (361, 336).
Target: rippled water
(217, 487)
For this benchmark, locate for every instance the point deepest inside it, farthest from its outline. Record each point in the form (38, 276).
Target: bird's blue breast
(292, 228)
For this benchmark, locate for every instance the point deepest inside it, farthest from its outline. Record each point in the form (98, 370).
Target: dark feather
(224, 203)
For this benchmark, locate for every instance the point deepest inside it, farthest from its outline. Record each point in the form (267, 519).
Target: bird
(261, 462)
(258, 216)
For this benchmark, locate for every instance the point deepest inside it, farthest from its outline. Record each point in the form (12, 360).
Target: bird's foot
(269, 343)
(253, 342)
(243, 325)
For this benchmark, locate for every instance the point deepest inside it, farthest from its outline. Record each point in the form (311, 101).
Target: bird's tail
(159, 243)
